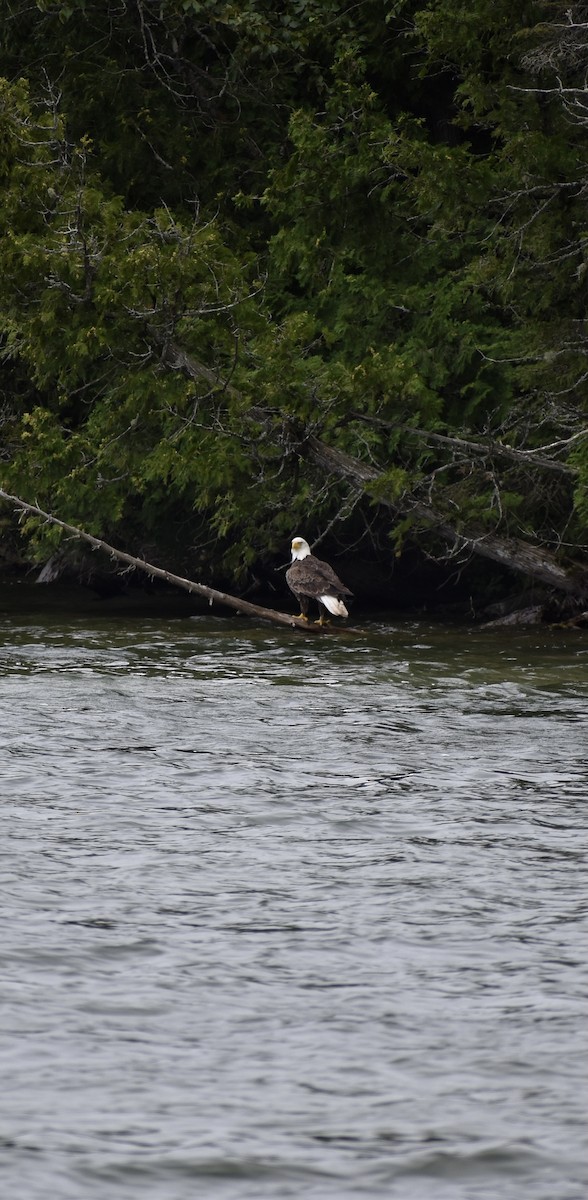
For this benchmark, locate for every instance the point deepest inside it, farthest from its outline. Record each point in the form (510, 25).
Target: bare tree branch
(199, 589)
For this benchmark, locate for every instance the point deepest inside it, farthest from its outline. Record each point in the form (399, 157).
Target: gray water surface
(288, 916)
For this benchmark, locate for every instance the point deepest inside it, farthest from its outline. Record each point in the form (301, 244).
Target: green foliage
(228, 229)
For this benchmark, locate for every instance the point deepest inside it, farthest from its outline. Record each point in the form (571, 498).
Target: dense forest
(304, 268)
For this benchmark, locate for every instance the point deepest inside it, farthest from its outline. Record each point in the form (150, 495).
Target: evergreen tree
(259, 269)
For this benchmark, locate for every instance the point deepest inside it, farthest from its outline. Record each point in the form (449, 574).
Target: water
(292, 917)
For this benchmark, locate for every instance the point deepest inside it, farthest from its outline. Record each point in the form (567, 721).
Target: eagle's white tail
(336, 607)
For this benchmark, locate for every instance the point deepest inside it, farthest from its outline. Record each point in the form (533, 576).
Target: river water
(292, 916)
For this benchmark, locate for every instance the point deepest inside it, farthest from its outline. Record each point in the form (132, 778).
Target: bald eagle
(312, 579)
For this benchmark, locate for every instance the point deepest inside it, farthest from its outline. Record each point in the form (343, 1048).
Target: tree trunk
(533, 561)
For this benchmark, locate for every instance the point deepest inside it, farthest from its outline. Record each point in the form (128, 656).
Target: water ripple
(289, 918)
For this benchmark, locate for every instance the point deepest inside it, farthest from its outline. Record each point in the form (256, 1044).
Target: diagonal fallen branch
(198, 589)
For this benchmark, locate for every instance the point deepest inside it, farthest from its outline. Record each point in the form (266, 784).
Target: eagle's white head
(300, 548)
